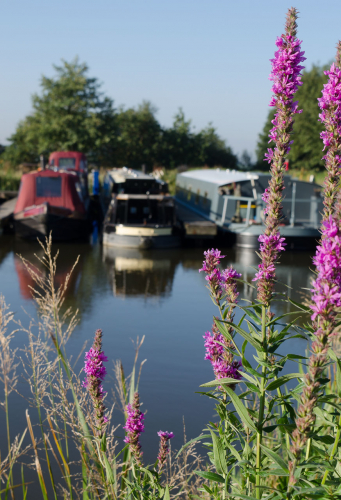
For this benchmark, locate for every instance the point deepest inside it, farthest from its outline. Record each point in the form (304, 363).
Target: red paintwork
(69, 198)
(67, 154)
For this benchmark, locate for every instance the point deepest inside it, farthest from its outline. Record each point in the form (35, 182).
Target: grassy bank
(9, 180)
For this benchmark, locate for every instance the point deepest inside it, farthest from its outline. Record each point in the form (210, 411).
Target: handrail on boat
(260, 203)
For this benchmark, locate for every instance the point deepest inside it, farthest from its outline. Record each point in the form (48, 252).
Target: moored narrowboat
(55, 199)
(140, 214)
(233, 201)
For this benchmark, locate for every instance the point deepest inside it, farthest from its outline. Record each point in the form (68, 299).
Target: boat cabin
(128, 181)
(68, 160)
(231, 197)
(58, 189)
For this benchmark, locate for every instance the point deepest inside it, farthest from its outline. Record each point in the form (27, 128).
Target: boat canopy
(68, 160)
(218, 177)
(59, 189)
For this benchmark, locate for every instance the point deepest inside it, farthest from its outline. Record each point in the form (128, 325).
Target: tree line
(71, 113)
(306, 150)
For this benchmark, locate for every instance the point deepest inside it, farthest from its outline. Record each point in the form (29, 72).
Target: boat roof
(124, 173)
(218, 176)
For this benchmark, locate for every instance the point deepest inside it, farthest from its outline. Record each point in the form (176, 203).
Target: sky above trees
(210, 58)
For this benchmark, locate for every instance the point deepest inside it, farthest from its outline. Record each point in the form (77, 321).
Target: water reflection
(159, 294)
(139, 273)
(34, 254)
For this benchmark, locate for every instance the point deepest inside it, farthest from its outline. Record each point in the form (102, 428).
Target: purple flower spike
(286, 77)
(134, 427)
(212, 260)
(164, 436)
(95, 373)
(326, 292)
(330, 116)
(223, 286)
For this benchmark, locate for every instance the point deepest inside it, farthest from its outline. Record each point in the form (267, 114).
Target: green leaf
(221, 381)
(254, 342)
(252, 387)
(246, 497)
(249, 378)
(252, 315)
(166, 495)
(275, 320)
(198, 438)
(299, 305)
(282, 380)
(211, 476)
(279, 460)
(240, 408)
(218, 454)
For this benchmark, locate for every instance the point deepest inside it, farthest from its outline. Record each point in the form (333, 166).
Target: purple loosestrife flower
(326, 298)
(286, 77)
(326, 292)
(134, 427)
(164, 436)
(219, 351)
(213, 276)
(212, 260)
(95, 373)
(330, 116)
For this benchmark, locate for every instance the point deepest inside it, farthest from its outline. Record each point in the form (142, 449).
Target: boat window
(48, 187)
(121, 212)
(142, 211)
(197, 197)
(67, 163)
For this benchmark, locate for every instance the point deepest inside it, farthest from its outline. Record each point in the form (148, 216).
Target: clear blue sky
(211, 57)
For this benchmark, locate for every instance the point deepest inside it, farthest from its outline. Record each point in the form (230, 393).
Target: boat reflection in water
(139, 273)
(65, 261)
(292, 273)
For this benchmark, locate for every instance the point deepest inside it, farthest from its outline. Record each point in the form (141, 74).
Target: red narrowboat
(55, 199)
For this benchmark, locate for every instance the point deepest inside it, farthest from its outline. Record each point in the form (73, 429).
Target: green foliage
(139, 138)
(306, 150)
(72, 114)
(180, 145)
(69, 114)
(250, 448)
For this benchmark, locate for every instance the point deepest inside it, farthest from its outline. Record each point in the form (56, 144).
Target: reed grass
(69, 460)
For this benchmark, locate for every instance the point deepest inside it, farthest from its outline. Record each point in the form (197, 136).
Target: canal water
(129, 294)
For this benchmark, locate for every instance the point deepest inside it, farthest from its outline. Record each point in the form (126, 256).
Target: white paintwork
(143, 231)
(218, 177)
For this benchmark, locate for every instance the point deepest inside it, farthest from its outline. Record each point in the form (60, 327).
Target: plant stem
(261, 410)
(334, 450)
(308, 449)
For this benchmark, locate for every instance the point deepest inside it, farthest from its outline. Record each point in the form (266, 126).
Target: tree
(306, 150)
(213, 150)
(245, 161)
(178, 143)
(139, 136)
(70, 113)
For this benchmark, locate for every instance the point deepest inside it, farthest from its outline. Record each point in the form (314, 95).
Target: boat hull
(62, 228)
(296, 238)
(142, 242)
